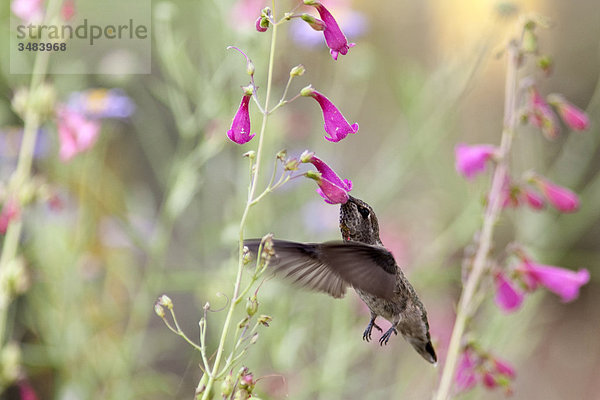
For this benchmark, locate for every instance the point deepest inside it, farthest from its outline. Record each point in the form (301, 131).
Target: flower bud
(227, 386)
(313, 175)
(19, 102)
(262, 24)
(311, 2)
(545, 63)
(250, 154)
(282, 155)
(247, 256)
(307, 91)
(306, 156)
(529, 44)
(292, 164)
(264, 320)
(266, 12)
(313, 22)
(572, 116)
(244, 322)
(165, 301)
(241, 394)
(10, 360)
(159, 310)
(254, 338)
(252, 305)
(248, 90)
(298, 70)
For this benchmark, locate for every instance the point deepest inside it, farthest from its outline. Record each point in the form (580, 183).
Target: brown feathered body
(362, 262)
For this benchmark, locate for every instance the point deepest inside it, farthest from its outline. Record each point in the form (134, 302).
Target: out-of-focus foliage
(154, 207)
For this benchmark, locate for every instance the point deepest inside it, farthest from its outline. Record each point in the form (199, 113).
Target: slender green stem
(32, 121)
(249, 203)
(492, 212)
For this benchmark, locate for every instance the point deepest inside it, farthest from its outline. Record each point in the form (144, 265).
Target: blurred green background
(154, 207)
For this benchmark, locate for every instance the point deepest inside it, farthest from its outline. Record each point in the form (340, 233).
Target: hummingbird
(362, 262)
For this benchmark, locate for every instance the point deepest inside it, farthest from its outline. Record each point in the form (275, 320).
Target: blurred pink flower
(560, 197)
(466, 377)
(563, 282)
(336, 125)
(489, 381)
(76, 133)
(534, 200)
(244, 12)
(471, 160)
(541, 114)
(240, 126)
(10, 212)
(26, 392)
(331, 187)
(28, 10)
(67, 10)
(507, 297)
(573, 117)
(102, 103)
(334, 37)
(504, 368)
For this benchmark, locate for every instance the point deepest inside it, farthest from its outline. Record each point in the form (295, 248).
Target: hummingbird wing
(331, 267)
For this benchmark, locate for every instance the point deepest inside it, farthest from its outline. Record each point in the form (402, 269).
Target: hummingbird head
(358, 222)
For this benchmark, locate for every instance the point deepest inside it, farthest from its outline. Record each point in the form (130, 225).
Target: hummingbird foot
(367, 332)
(386, 336)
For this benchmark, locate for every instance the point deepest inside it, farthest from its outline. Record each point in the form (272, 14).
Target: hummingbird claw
(386, 336)
(367, 332)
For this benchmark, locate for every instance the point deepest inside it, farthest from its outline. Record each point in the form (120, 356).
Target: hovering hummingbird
(362, 262)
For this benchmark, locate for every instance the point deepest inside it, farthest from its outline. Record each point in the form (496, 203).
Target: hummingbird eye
(363, 211)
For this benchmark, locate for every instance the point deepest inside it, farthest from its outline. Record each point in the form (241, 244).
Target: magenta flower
(28, 10)
(331, 187)
(466, 377)
(560, 197)
(471, 160)
(10, 212)
(563, 282)
(507, 297)
(67, 11)
(504, 368)
(489, 381)
(26, 391)
(259, 24)
(534, 200)
(573, 117)
(335, 39)
(240, 127)
(76, 133)
(336, 125)
(542, 115)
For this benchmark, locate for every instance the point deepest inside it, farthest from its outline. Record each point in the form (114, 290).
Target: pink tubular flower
(573, 117)
(28, 10)
(240, 127)
(335, 39)
(466, 377)
(471, 160)
(542, 115)
(560, 197)
(489, 381)
(331, 187)
(507, 297)
(259, 25)
(336, 125)
(76, 133)
(561, 281)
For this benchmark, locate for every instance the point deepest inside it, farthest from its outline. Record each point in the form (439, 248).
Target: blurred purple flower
(102, 103)
(466, 377)
(353, 23)
(471, 160)
(331, 187)
(240, 126)
(28, 10)
(507, 297)
(336, 125)
(76, 133)
(560, 197)
(573, 117)
(563, 282)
